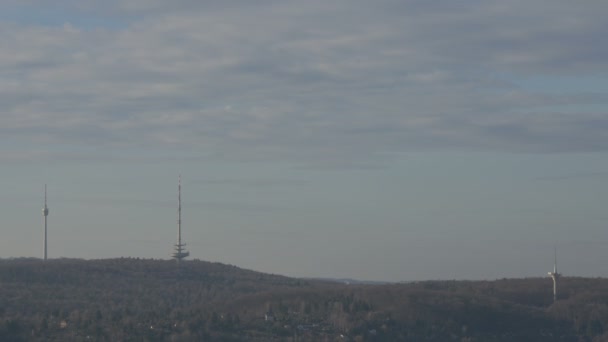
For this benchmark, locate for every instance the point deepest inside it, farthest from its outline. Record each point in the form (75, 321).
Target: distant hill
(130, 299)
(349, 281)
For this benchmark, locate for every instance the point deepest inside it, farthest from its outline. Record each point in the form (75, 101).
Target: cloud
(346, 81)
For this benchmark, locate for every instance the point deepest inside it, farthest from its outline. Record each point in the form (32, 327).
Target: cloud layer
(309, 80)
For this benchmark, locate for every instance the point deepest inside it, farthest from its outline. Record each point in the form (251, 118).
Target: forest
(129, 299)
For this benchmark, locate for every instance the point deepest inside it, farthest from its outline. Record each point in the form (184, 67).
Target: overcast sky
(383, 140)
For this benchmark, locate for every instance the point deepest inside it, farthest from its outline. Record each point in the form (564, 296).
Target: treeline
(153, 300)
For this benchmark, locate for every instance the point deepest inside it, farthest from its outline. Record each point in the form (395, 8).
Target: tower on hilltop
(45, 213)
(180, 251)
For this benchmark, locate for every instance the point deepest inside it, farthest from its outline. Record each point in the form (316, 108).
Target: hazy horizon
(386, 141)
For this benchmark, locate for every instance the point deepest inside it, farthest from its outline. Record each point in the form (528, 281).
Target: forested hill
(153, 300)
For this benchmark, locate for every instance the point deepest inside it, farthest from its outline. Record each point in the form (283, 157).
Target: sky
(389, 140)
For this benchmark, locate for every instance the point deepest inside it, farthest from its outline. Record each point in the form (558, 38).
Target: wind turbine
(555, 276)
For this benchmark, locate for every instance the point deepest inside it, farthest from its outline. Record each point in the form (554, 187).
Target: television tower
(555, 276)
(45, 213)
(180, 252)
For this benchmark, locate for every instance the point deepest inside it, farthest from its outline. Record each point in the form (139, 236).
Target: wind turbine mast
(180, 252)
(555, 276)
(45, 213)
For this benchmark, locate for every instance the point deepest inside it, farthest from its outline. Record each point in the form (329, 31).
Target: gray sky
(381, 140)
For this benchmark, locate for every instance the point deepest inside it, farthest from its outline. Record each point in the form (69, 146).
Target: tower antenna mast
(45, 213)
(180, 252)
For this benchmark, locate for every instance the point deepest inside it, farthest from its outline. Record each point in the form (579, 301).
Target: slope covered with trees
(149, 300)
